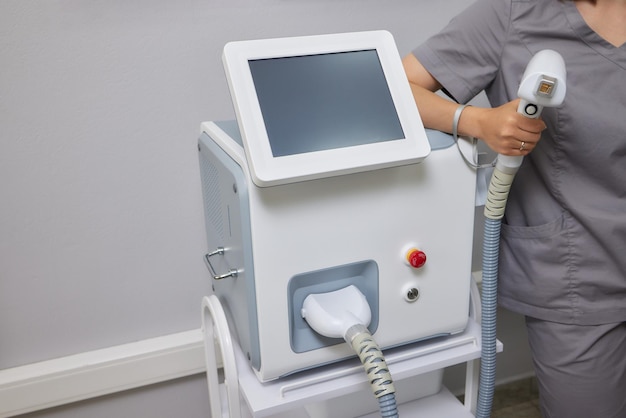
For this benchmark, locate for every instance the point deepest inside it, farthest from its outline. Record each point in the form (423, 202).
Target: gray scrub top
(563, 246)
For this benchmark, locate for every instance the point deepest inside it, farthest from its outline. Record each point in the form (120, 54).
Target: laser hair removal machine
(328, 184)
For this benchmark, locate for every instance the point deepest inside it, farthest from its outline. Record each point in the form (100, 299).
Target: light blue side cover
(227, 221)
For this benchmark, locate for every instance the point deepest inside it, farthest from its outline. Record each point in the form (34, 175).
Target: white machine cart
(238, 393)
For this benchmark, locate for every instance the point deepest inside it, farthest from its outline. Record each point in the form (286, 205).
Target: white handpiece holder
(332, 314)
(542, 85)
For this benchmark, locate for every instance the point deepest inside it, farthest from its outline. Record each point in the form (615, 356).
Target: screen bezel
(267, 170)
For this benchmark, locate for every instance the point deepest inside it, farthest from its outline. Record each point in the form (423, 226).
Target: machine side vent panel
(212, 196)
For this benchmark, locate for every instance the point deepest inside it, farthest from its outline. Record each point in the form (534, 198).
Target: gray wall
(101, 227)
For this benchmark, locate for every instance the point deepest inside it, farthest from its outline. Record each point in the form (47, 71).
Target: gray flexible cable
(497, 196)
(373, 360)
(489, 302)
(498, 193)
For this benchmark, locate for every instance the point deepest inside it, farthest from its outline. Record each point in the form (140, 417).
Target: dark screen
(326, 101)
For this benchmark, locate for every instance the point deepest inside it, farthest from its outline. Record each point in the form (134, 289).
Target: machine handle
(207, 258)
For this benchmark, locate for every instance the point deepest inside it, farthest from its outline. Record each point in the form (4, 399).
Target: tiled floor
(519, 399)
(516, 400)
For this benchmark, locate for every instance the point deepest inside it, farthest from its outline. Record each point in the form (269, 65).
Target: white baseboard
(86, 375)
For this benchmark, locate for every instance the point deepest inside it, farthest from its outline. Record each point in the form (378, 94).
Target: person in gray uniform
(563, 241)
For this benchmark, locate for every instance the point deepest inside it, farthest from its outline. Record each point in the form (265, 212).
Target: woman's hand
(504, 130)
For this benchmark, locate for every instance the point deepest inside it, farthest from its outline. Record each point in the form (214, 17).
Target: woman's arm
(501, 128)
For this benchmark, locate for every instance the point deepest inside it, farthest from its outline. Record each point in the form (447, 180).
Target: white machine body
(271, 246)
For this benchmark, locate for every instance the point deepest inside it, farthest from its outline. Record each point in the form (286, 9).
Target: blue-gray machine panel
(227, 222)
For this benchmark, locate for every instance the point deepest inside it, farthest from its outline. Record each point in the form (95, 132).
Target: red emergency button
(416, 258)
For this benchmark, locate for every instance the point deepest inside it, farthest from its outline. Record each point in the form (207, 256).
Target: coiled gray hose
(489, 300)
(497, 196)
(375, 366)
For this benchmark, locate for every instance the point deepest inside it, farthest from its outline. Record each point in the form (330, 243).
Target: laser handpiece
(542, 85)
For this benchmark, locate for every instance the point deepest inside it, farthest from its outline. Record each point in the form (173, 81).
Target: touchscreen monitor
(320, 106)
